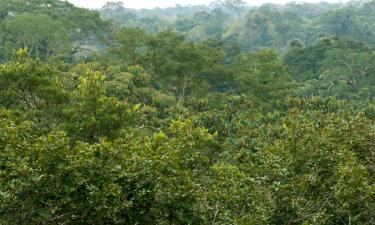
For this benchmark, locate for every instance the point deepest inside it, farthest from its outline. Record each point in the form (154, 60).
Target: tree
(131, 41)
(345, 23)
(263, 77)
(235, 7)
(91, 114)
(312, 172)
(39, 33)
(30, 84)
(347, 67)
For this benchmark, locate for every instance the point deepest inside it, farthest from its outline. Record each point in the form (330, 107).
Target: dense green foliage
(219, 114)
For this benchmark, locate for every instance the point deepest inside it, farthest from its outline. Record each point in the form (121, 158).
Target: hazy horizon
(139, 4)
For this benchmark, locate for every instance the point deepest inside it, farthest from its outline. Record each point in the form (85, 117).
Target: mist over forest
(219, 114)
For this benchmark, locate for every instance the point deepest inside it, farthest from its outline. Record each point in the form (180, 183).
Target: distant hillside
(269, 25)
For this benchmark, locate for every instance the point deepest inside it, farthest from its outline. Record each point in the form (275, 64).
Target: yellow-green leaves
(92, 115)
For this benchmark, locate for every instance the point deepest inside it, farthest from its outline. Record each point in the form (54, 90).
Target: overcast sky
(166, 3)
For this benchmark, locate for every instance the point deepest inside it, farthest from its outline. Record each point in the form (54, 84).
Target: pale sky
(166, 3)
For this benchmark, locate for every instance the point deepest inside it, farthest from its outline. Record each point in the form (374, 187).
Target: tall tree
(92, 115)
(263, 76)
(131, 41)
(39, 33)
